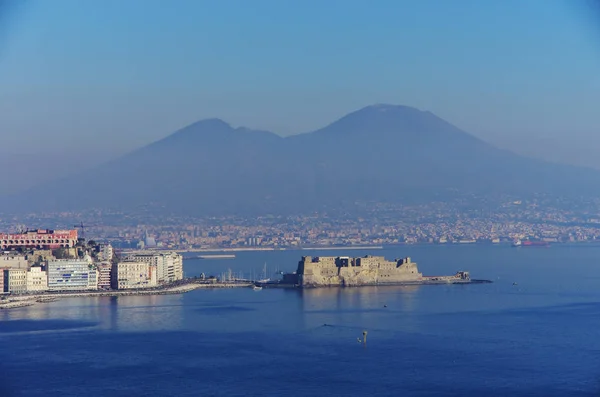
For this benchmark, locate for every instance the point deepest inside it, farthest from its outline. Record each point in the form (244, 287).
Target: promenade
(16, 301)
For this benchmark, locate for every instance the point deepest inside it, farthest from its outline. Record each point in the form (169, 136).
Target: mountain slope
(381, 152)
(396, 149)
(207, 164)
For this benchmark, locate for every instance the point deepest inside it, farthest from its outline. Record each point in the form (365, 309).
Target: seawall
(14, 301)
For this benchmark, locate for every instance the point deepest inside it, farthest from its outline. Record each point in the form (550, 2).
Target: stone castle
(346, 271)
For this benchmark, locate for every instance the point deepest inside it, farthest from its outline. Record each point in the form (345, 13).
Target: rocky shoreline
(16, 301)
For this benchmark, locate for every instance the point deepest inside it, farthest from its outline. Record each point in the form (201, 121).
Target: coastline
(378, 284)
(16, 301)
(352, 247)
(267, 249)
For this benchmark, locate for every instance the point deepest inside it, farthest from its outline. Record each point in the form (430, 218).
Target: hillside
(381, 153)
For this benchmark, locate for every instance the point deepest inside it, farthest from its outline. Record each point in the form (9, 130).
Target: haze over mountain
(380, 153)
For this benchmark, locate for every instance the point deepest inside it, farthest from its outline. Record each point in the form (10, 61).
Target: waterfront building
(13, 260)
(104, 275)
(169, 265)
(41, 239)
(133, 275)
(14, 280)
(71, 275)
(37, 279)
(93, 278)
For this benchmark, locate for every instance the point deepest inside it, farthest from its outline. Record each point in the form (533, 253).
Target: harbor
(311, 272)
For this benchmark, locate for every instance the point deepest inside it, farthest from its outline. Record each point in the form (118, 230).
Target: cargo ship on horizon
(529, 243)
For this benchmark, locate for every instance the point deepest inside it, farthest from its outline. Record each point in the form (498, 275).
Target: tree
(91, 243)
(60, 253)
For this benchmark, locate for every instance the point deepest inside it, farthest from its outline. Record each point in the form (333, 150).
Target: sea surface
(540, 336)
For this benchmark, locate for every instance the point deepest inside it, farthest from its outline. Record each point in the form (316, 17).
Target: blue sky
(103, 77)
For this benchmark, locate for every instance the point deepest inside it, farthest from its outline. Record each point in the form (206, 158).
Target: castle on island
(366, 270)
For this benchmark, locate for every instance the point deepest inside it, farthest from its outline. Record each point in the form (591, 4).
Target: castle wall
(331, 271)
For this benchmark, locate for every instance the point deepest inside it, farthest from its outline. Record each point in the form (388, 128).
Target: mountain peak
(213, 126)
(383, 119)
(211, 123)
(386, 107)
(381, 111)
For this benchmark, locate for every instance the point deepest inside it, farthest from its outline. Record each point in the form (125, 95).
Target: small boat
(257, 288)
(264, 280)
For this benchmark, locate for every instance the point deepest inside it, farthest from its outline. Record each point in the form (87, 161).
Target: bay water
(533, 331)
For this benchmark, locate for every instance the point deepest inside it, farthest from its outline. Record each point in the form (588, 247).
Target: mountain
(380, 153)
(391, 151)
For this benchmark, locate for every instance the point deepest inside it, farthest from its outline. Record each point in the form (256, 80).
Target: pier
(224, 256)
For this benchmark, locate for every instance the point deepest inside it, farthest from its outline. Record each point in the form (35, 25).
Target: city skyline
(504, 220)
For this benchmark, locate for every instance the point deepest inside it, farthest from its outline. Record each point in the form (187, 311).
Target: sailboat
(265, 279)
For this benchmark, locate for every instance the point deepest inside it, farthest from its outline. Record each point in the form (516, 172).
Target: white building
(132, 275)
(169, 265)
(13, 260)
(106, 253)
(37, 279)
(93, 277)
(14, 280)
(71, 275)
(104, 275)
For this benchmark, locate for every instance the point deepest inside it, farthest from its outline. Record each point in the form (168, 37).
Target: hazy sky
(102, 77)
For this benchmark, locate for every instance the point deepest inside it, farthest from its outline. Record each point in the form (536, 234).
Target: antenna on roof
(82, 227)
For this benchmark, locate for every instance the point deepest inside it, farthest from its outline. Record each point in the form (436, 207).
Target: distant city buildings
(149, 241)
(467, 220)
